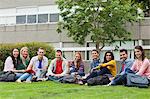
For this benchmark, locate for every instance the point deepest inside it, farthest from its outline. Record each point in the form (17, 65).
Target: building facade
(36, 20)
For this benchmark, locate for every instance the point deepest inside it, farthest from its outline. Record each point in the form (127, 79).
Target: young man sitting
(58, 67)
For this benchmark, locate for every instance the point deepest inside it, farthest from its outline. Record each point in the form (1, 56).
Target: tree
(145, 5)
(102, 20)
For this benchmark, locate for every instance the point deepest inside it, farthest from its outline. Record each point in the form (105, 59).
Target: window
(31, 19)
(146, 42)
(21, 19)
(54, 17)
(42, 18)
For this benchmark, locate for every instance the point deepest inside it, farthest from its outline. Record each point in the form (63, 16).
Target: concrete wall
(30, 33)
(21, 3)
(140, 30)
(47, 33)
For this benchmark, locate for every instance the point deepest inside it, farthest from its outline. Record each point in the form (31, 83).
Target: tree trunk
(97, 47)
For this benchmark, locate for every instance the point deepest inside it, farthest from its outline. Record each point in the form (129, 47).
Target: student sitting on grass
(77, 66)
(94, 62)
(58, 67)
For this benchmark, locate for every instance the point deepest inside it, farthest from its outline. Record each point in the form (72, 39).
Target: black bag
(8, 76)
(137, 81)
(99, 80)
(68, 79)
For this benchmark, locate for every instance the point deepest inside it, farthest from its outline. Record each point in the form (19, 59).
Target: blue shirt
(94, 63)
(127, 64)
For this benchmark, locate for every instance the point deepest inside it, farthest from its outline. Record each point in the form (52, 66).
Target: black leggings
(102, 71)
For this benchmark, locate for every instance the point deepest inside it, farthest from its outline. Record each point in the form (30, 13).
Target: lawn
(53, 90)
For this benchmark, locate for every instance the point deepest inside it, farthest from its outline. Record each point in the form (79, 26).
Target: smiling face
(95, 55)
(24, 53)
(108, 57)
(15, 53)
(138, 53)
(58, 55)
(123, 56)
(40, 53)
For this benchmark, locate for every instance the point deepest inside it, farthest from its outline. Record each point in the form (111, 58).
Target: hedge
(5, 50)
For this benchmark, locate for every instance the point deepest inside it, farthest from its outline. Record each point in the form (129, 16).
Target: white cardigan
(52, 67)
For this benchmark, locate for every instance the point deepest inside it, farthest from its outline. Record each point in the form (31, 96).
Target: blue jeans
(26, 76)
(40, 73)
(54, 78)
(121, 79)
(18, 75)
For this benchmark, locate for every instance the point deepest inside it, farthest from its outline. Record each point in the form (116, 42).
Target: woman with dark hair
(12, 62)
(77, 66)
(107, 67)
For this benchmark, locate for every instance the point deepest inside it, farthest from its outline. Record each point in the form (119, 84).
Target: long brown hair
(79, 61)
(142, 50)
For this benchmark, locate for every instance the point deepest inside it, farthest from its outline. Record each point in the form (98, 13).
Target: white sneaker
(18, 81)
(45, 79)
(86, 84)
(27, 81)
(80, 82)
(108, 84)
(84, 77)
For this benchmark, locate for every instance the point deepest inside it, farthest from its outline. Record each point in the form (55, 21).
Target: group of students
(37, 68)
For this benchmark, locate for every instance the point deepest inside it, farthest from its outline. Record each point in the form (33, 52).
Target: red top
(123, 65)
(58, 67)
(30, 71)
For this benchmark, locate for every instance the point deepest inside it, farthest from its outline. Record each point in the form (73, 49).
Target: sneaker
(84, 77)
(80, 82)
(27, 81)
(86, 84)
(18, 81)
(108, 84)
(45, 79)
(39, 79)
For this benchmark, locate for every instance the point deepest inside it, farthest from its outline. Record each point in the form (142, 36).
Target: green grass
(52, 90)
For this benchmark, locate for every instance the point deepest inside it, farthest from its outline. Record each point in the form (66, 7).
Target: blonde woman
(24, 57)
(24, 61)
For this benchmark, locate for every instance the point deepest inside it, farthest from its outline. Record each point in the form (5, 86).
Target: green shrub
(6, 49)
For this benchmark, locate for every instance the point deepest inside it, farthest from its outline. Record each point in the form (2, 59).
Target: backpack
(137, 81)
(68, 79)
(8, 76)
(99, 80)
